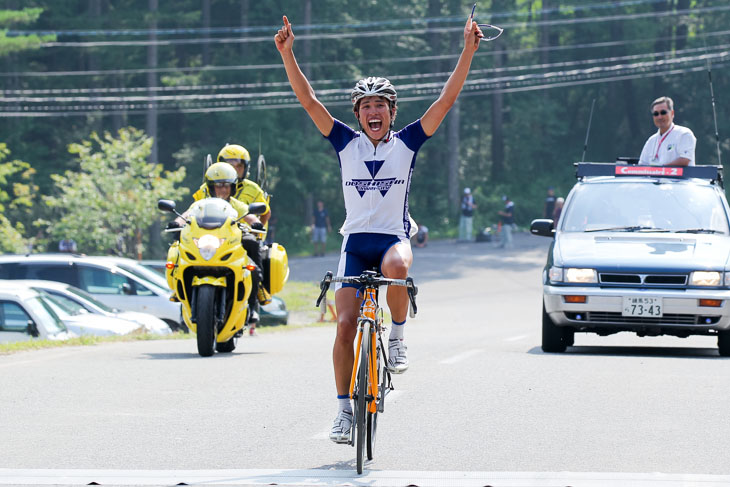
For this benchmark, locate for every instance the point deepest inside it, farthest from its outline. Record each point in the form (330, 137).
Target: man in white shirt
(672, 145)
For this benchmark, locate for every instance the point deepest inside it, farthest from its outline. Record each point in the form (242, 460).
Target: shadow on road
(194, 355)
(658, 352)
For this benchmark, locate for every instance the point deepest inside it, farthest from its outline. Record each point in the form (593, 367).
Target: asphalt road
(480, 394)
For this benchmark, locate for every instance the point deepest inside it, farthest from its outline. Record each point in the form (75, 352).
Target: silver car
(101, 277)
(640, 249)
(25, 315)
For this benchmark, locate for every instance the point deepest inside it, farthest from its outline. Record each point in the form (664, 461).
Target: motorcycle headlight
(705, 278)
(208, 245)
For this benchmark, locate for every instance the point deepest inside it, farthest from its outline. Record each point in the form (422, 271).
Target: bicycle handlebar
(370, 279)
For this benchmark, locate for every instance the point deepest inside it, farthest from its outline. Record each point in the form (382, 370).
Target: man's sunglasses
(661, 112)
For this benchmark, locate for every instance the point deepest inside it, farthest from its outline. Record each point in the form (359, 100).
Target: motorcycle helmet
(374, 86)
(220, 172)
(235, 154)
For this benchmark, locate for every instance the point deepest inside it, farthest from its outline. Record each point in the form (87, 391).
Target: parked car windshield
(48, 317)
(67, 305)
(87, 297)
(645, 206)
(145, 274)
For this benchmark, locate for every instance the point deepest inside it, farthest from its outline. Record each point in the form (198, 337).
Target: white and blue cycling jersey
(376, 180)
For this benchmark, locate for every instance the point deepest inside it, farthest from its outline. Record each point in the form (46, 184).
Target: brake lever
(412, 291)
(324, 286)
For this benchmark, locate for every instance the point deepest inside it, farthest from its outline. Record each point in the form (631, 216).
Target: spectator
(467, 214)
(558, 209)
(507, 220)
(421, 236)
(67, 245)
(549, 203)
(320, 228)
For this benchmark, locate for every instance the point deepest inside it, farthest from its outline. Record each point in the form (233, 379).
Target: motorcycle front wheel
(206, 320)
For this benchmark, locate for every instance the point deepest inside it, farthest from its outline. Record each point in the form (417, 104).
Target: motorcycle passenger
(220, 182)
(378, 161)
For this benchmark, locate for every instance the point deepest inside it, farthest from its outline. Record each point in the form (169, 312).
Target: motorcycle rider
(246, 191)
(220, 181)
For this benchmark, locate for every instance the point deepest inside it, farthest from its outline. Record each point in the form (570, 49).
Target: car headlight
(705, 278)
(581, 276)
(573, 275)
(208, 244)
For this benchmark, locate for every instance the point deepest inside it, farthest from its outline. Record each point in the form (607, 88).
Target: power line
(411, 92)
(398, 60)
(380, 23)
(380, 33)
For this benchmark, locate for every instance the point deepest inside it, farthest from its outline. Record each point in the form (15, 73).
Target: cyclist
(220, 181)
(246, 191)
(376, 165)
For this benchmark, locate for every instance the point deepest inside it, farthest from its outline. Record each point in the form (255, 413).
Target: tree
(11, 175)
(19, 43)
(111, 200)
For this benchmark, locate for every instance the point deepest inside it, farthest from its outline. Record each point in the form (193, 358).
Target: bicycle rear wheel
(361, 404)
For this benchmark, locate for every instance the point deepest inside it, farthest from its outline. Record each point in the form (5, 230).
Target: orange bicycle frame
(368, 312)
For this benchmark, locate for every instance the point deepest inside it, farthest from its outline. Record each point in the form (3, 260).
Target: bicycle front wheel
(361, 404)
(372, 421)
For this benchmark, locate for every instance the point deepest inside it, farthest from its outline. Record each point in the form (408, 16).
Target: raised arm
(305, 94)
(436, 112)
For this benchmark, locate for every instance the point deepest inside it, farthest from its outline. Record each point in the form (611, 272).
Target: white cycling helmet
(375, 86)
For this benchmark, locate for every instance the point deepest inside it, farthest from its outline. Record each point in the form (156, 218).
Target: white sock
(396, 330)
(344, 403)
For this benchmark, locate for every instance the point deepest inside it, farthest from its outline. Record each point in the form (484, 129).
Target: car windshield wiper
(635, 228)
(699, 230)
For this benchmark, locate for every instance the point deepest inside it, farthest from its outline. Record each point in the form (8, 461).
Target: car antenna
(588, 131)
(714, 113)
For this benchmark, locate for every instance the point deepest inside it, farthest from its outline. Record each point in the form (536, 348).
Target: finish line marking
(319, 477)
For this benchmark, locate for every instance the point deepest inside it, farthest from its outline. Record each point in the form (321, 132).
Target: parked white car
(25, 314)
(99, 276)
(87, 302)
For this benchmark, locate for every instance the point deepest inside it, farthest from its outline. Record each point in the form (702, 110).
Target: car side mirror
(32, 329)
(543, 227)
(127, 289)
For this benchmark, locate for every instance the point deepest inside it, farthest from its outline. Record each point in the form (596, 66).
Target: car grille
(617, 318)
(642, 279)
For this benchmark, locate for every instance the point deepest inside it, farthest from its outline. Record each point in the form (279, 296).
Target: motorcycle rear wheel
(206, 320)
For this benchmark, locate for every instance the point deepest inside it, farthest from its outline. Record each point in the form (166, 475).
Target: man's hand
(285, 37)
(172, 225)
(472, 35)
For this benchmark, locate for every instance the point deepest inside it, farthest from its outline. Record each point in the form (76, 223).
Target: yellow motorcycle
(210, 273)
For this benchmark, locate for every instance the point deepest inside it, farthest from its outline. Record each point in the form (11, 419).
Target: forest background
(108, 105)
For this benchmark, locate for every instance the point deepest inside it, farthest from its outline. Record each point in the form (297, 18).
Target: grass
(298, 296)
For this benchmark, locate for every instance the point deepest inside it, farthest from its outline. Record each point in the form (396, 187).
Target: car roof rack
(592, 169)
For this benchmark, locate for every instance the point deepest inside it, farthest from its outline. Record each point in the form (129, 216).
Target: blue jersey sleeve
(340, 135)
(413, 135)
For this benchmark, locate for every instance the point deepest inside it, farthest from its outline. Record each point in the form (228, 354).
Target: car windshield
(212, 212)
(84, 296)
(645, 207)
(48, 317)
(64, 306)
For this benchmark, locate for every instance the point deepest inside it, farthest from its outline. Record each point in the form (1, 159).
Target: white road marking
(377, 478)
(461, 356)
(516, 338)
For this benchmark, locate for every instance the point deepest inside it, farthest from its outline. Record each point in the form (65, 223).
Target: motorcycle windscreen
(212, 213)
